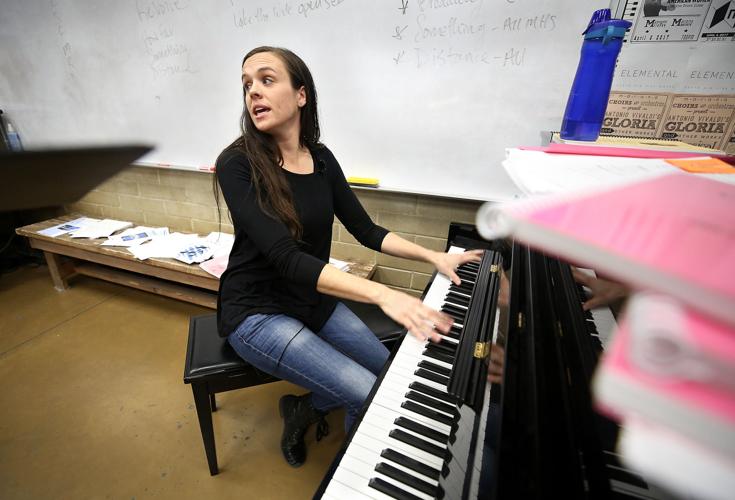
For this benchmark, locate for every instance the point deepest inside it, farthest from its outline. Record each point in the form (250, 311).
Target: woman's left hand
(446, 263)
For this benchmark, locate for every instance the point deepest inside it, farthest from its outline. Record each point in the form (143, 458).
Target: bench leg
(213, 402)
(204, 413)
(55, 268)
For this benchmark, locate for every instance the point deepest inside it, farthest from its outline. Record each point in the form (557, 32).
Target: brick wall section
(183, 201)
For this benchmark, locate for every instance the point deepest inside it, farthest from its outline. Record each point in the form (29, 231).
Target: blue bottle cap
(603, 27)
(598, 16)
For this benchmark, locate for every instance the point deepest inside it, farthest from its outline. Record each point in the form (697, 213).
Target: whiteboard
(424, 95)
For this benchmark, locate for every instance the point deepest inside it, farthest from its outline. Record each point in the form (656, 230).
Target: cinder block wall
(183, 201)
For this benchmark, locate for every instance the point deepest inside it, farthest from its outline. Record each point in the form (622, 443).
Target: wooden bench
(67, 256)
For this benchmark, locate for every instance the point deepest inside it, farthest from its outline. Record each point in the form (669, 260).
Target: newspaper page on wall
(675, 76)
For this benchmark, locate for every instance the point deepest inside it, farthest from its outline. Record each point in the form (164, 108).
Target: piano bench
(212, 365)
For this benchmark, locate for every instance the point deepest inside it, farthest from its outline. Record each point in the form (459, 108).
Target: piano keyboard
(623, 482)
(600, 320)
(404, 446)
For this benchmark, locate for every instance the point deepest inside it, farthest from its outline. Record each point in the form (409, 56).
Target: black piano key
(427, 412)
(463, 287)
(451, 308)
(448, 344)
(459, 291)
(445, 470)
(625, 476)
(454, 332)
(457, 297)
(441, 356)
(469, 269)
(418, 428)
(434, 377)
(407, 479)
(435, 368)
(410, 463)
(458, 316)
(431, 402)
(446, 348)
(435, 393)
(471, 265)
(419, 443)
(451, 334)
(391, 490)
(466, 275)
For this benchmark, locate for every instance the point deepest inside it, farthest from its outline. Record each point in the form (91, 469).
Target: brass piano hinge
(494, 268)
(482, 349)
(521, 320)
(559, 330)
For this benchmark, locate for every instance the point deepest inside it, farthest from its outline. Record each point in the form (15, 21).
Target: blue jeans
(338, 364)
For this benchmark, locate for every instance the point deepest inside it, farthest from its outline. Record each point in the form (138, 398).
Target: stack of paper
(135, 236)
(222, 243)
(671, 365)
(216, 266)
(167, 247)
(536, 172)
(67, 227)
(100, 228)
(539, 173)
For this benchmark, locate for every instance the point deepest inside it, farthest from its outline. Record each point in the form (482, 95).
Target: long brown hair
(272, 189)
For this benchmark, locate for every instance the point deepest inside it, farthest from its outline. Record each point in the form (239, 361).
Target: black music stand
(44, 178)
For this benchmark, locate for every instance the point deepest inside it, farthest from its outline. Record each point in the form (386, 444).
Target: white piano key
(379, 421)
(357, 483)
(382, 435)
(605, 324)
(367, 472)
(393, 401)
(395, 413)
(339, 491)
(407, 374)
(373, 457)
(454, 481)
(400, 396)
(413, 361)
(602, 316)
(368, 442)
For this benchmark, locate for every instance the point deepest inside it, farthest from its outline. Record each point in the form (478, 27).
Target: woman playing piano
(278, 299)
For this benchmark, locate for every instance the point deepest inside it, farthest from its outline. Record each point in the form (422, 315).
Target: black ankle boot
(298, 415)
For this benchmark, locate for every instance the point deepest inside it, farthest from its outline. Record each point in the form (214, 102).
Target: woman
(278, 302)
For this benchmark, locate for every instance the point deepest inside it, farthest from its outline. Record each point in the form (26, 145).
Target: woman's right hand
(420, 320)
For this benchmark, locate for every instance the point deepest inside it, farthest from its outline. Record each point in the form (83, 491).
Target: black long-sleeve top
(269, 271)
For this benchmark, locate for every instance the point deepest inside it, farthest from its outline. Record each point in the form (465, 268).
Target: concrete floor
(93, 404)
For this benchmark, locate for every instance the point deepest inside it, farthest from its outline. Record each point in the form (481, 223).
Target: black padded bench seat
(212, 366)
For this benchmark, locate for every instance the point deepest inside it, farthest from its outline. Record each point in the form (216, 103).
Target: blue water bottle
(587, 102)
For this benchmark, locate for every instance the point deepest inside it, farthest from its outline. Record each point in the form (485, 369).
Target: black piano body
(535, 435)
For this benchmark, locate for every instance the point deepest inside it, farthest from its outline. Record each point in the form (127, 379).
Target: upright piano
(433, 426)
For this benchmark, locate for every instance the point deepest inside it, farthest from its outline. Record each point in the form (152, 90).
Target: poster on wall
(700, 120)
(677, 46)
(635, 114)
